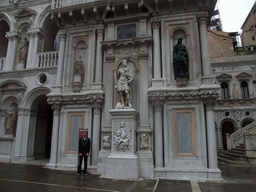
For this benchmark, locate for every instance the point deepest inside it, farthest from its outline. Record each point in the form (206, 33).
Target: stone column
(22, 134)
(35, 35)
(96, 133)
(219, 138)
(158, 125)
(14, 38)
(55, 135)
(211, 136)
(156, 48)
(202, 19)
(98, 73)
(62, 35)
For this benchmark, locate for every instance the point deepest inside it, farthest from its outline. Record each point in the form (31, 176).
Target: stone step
(233, 162)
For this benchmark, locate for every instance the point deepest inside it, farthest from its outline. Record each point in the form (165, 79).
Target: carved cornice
(76, 100)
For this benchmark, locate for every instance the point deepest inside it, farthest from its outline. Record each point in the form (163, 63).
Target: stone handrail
(233, 59)
(66, 3)
(237, 137)
(2, 62)
(47, 59)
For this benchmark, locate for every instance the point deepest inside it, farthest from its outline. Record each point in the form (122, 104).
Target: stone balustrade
(47, 59)
(66, 3)
(233, 59)
(237, 137)
(2, 62)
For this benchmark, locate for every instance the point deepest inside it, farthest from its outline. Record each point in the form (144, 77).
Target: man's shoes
(85, 173)
(78, 174)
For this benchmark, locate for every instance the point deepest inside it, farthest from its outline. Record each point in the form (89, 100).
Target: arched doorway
(227, 127)
(43, 129)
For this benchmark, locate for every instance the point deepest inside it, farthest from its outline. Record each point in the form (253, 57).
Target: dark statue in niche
(180, 60)
(23, 52)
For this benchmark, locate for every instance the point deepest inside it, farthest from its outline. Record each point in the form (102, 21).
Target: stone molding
(76, 100)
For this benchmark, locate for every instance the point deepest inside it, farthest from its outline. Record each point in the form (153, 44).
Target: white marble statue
(124, 78)
(10, 120)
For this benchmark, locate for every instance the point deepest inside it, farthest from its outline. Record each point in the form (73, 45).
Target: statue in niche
(124, 78)
(10, 119)
(23, 52)
(79, 66)
(180, 60)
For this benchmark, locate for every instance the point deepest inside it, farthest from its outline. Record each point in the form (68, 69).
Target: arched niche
(179, 33)
(3, 40)
(51, 38)
(80, 53)
(131, 63)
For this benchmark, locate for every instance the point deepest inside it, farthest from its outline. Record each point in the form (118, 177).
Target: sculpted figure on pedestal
(124, 78)
(23, 52)
(10, 119)
(79, 66)
(180, 60)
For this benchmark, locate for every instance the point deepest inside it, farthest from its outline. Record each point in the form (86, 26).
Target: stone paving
(26, 178)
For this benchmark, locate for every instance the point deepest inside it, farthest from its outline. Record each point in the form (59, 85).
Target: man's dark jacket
(84, 145)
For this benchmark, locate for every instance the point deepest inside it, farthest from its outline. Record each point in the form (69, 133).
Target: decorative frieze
(205, 95)
(76, 100)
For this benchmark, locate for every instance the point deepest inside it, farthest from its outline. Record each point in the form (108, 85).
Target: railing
(47, 59)
(233, 59)
(65, 3)
(237, 137)
(2, 62)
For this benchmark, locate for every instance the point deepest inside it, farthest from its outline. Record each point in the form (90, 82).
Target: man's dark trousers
(80, 163)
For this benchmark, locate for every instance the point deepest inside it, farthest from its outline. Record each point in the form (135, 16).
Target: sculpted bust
(124, 78)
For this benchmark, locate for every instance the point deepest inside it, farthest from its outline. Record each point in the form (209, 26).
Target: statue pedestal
(123, 162)
(77, 84)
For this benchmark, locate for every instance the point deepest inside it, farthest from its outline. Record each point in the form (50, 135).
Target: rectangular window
(126, 31)
(75, 122)
(184, 132)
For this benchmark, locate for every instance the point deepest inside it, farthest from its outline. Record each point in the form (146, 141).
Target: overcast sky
(233, 13)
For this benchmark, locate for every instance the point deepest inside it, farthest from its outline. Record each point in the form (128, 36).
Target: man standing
(84, 149)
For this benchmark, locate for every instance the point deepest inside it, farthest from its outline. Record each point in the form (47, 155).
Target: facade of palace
(63, 69)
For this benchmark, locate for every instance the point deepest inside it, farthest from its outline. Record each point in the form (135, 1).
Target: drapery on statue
(124, 78)
(10, 119)
(23, 52)
(79, 66)
(180, 60)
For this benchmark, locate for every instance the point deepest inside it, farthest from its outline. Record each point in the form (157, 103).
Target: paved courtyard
(36, 178)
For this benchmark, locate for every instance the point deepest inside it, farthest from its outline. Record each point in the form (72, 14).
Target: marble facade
(148, 139)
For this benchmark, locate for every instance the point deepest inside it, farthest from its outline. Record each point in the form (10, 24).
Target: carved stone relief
(106, 143)
(122, 136)
(143, 140)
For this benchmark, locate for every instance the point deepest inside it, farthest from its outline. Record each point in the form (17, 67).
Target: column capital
(209, 105)
(62, 35)
(97, 108)
(99, 31)
(202, 18)
(155, 22)
(13, 34)
(36, 32)
(158, 104)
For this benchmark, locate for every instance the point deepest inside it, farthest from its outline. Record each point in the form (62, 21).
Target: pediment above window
(244, 76)
(224, 77)
(25, 13)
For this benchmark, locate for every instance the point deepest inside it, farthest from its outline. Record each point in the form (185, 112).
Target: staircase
(235, 156)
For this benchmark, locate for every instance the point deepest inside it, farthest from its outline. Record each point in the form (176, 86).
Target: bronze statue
(23, 52)
(124, 78)
(10, 120)
(180, 60)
